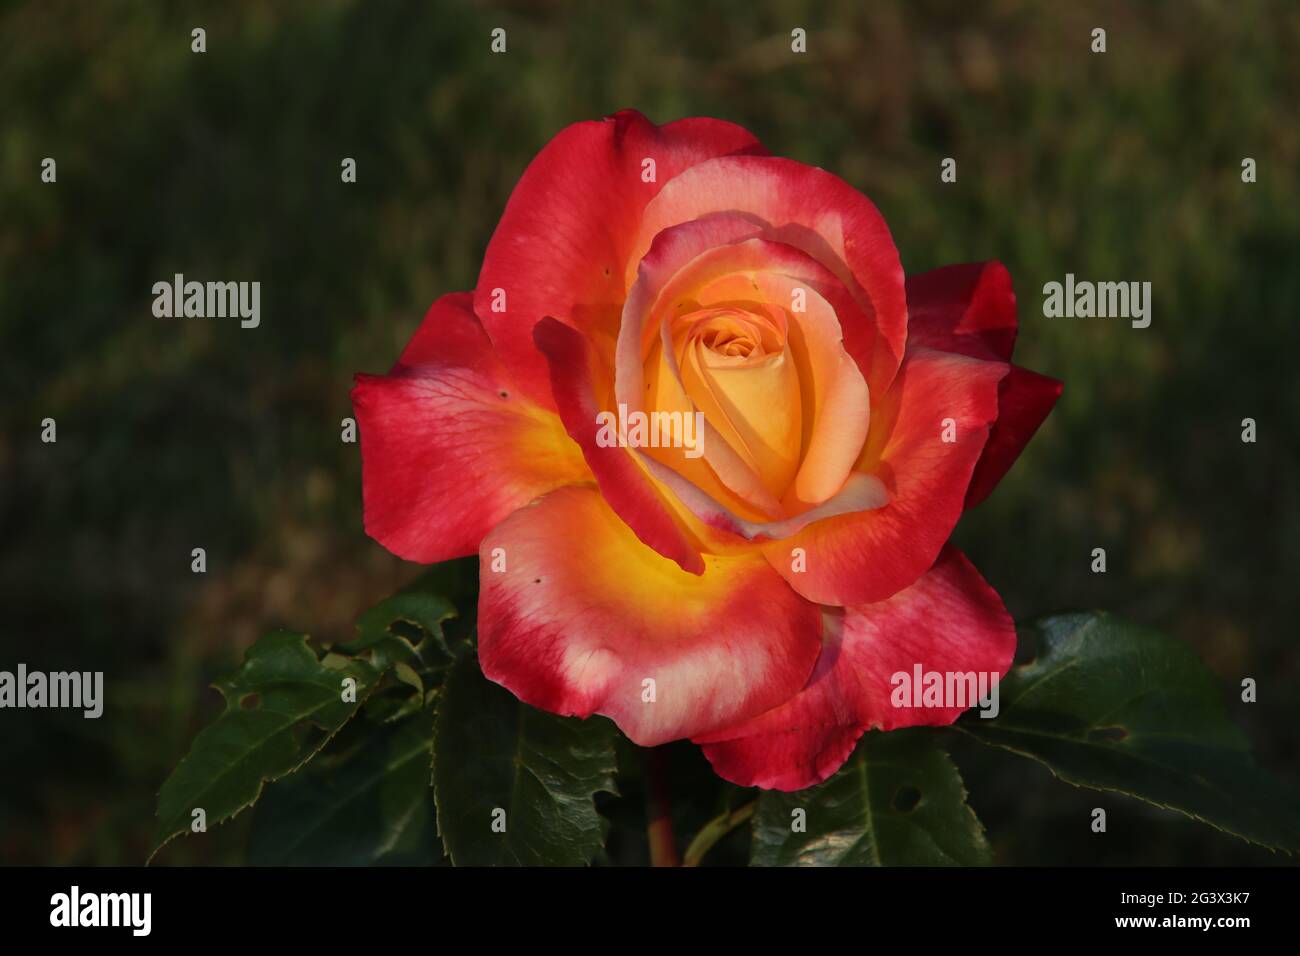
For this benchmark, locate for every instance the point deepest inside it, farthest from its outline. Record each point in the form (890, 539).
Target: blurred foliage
(179, 434)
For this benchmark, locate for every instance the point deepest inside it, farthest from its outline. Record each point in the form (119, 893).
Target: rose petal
(948, 622)
(583, 390)
(1024, 400)
(969, 309)
(817, 213)
(563, 244)
(764, 276)
(837, 402)
(449, 446)
(649, 375)
(584, 614)
(866, 556)
(756, 408)
(672, 249)
(726, 531)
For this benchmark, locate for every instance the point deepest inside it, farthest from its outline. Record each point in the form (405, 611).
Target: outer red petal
(624, 483)
(584, 614)
(1024, 400)
(866, 556)
(823, 216)
(450, 334)
(969, 309)
(562, 246)
(449, 447)
(948, 621)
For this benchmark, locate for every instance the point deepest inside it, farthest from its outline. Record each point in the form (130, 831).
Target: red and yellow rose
(770, 586)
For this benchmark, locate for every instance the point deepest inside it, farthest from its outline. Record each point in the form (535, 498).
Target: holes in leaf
(404, 628)
(906, 798)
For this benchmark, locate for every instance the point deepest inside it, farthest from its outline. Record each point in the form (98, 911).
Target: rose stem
(714, 831)
(659, 816)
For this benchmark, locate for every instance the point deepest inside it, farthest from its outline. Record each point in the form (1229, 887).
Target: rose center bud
(737, 369)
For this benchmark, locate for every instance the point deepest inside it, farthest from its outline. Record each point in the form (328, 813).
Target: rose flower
(753, 589)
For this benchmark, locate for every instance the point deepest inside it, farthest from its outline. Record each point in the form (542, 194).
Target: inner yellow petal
(738, 370)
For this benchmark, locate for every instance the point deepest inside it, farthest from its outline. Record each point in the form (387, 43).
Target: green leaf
(492, 753)
(898, 801)
(370, 805)
(1113, 706)
(282, 705)
(406, 630)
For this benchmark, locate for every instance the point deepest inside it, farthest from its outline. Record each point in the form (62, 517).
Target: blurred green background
(175, 434)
